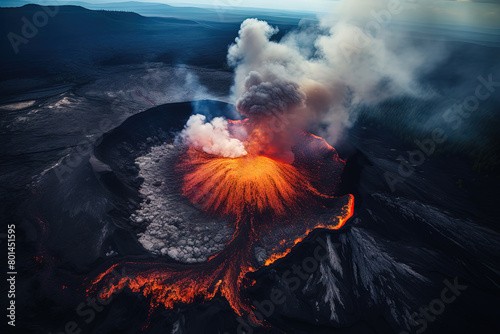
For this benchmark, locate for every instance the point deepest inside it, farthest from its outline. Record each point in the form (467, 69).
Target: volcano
(261, 196)
(190, 244)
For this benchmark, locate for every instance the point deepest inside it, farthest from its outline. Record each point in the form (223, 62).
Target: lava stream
(169, 284)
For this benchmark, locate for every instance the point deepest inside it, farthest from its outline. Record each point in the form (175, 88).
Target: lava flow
(261, 195)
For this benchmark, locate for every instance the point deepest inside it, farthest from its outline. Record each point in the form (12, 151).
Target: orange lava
(347, 212)
(232, 186)
(170, 285)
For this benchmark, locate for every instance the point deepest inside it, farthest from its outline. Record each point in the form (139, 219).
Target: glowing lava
(262, 195)
(169, 285)
(233, 186)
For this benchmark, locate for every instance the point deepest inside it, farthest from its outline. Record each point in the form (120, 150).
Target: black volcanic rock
(314, 155)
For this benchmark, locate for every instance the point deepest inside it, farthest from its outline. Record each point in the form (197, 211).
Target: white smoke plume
(212, 137)
(315, 76)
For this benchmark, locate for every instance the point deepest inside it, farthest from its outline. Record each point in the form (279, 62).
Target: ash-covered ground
(173, 228)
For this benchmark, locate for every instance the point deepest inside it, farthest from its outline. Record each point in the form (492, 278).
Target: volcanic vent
(245, 185)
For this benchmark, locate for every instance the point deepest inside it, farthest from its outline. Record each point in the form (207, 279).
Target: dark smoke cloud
(267, 98)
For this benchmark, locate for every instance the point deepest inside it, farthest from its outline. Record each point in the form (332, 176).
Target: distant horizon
(294, 5)
(460, 13)
(290, 5)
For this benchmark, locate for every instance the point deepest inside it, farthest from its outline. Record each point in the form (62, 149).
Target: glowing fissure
(347, 212)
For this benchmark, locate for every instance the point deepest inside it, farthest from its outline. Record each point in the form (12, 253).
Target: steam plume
(212, 137)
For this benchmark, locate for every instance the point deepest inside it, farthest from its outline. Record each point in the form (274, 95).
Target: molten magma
(346, 212)
(253, 190)
(168, 285)
(249, 184)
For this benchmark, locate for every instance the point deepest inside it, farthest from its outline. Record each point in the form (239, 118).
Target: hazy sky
(311, 5)
(478, 13)
(484, 13)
